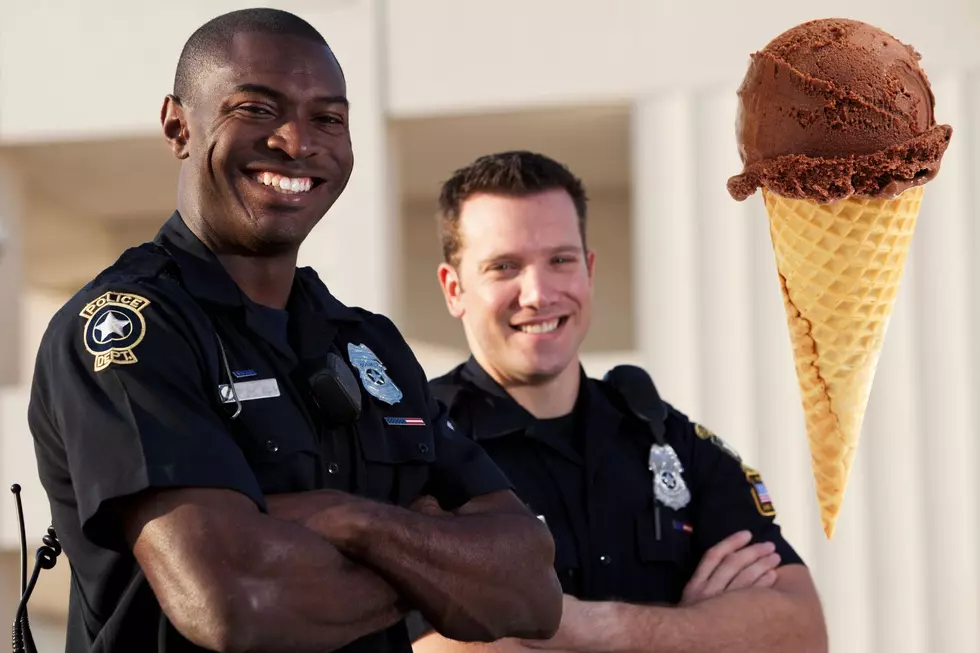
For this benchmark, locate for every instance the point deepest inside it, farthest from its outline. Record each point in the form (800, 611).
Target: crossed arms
(737, 601)
(325, 568)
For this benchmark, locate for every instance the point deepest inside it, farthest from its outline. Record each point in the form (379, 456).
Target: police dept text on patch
(114, 325)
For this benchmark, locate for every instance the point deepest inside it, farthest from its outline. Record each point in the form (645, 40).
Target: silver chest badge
(668, 481)
(373, 376)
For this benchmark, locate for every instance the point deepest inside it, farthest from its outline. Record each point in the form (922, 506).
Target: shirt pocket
(665, 561)
(396, 457)
(279, 446)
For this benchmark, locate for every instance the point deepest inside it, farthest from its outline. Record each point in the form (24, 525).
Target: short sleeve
(462, 469)
(731, 496)
(121, 388)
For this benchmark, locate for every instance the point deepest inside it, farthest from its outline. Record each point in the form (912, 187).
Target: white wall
(115, 59)
(447, 56)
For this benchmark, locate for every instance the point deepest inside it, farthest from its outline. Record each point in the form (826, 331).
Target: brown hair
(515, 174)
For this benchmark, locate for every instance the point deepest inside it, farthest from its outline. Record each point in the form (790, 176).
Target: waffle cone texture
(840, 266)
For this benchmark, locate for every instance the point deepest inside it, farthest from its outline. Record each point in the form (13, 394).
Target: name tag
(249, 390)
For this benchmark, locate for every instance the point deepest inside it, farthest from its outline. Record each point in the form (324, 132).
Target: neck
(266, 281)
(554, 397)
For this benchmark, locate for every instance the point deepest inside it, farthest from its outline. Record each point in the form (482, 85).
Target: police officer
(666, 540)
(237, 461)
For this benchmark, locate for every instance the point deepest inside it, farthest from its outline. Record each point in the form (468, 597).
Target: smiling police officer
(237, 461)
(666, 540)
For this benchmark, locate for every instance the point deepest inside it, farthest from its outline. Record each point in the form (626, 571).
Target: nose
(537, 291)
(293, 138)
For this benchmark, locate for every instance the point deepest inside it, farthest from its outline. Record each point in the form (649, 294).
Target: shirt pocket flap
(388, 441)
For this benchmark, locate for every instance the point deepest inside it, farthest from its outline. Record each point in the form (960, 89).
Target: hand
(336, 516)
(732, 565)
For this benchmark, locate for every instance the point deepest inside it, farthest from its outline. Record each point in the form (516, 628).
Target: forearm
(231, 579)
(460, 571)
(746, 621)
(299, 593)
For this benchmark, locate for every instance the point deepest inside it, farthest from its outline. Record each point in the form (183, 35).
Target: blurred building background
(638, 97)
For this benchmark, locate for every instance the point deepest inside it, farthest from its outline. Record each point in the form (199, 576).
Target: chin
(543, 371)
(280, 232)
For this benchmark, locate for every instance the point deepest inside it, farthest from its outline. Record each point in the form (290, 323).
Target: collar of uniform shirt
(505, 416)
(205, 277)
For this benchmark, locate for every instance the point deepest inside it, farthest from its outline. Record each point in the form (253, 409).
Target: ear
(173, 118)
(590, 264)
(452, 291)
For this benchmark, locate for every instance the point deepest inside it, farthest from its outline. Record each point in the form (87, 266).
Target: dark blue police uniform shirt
(594, 489)
(127, 397)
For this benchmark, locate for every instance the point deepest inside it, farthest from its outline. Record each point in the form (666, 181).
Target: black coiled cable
(45, 558)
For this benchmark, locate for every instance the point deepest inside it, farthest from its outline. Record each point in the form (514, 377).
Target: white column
(11, 272)
(11, 301)
(355, 246)
(891, 445)
(725, 280)
(843, 568)
(948, 389)
(972, 132)
(665, 281)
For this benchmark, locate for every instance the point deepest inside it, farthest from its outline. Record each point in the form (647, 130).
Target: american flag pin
(404, 421)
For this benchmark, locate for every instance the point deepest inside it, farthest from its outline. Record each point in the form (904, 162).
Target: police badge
(668, 481)
(373, 376)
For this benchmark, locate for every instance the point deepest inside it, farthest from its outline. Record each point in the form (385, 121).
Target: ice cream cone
(840, 265)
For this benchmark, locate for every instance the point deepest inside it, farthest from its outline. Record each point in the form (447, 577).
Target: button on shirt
(588, 478)
(133, 390)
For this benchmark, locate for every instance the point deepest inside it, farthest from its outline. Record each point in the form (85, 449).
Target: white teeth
(284, 184)
(543, 327)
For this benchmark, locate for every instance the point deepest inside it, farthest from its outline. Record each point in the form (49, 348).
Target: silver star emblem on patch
(112, 326)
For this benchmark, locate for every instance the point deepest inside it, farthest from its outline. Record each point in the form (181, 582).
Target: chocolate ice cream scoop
(836, 108)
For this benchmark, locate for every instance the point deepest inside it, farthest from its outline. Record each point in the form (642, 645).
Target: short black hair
(517, 173)
(207, 43)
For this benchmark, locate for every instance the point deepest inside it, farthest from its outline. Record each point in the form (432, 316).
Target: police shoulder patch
(114, 326)
(763, 502)
(706, 434)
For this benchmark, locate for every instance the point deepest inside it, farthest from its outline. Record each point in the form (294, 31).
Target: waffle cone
(840, 266)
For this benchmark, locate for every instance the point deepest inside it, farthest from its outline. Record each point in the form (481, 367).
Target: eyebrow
(563, 249)
(261, 89)
(554, 251)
